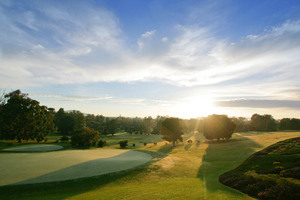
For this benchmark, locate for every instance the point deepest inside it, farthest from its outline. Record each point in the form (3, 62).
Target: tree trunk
(173, 143)
(19, 140)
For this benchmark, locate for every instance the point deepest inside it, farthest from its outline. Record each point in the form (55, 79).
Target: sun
(194, 107)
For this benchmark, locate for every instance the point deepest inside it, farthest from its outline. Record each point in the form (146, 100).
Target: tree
(217, 127)
(172, 130)
(263, 123)
(23, 118)
(85, 138)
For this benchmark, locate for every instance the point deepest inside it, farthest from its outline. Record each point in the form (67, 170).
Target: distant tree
(111, 126)
(242, 124)
(289, 124)
(123, 144)
(85, 138)
(66, 125)
(157, 125)
(263, 123)
(172, 130)
(23, 118)
(218, 127)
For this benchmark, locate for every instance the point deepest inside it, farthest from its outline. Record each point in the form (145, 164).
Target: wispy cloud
(53, 43)
(71, 98)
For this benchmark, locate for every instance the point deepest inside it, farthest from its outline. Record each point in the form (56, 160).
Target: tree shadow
(68, 188)
(167, 148)
(187, 147)
(223, 156)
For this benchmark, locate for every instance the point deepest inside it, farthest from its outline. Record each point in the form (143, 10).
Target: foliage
(218, 127)
(172, 130)
(101, 143)
(64, 138)
(123, 144)
(85, 138)
(69, 122)
(263, 123)
(289, 124)
(23, 118)
(276, 174)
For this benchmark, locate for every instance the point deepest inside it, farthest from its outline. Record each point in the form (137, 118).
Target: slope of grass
(272, 173)
(190, 171)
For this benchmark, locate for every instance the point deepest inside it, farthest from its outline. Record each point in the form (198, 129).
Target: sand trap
(34, 148)
(24, 168)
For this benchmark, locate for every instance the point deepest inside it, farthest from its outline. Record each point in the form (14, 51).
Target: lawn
(182, 172)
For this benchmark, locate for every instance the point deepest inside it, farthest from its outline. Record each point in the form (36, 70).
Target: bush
(101, 143)
(145, 143)
(85, 138)
(190, 141)
(64, 139)
(133, 145)
(154, 143)
(123, 144)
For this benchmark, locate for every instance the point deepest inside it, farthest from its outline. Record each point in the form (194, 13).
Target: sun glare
(196, 107)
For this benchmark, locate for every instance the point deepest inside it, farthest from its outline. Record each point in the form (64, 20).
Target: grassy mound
(272, 173)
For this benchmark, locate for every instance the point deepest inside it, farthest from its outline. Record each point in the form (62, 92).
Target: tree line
(23, 118)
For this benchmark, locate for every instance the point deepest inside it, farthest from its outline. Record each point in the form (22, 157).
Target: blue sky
(139, 58)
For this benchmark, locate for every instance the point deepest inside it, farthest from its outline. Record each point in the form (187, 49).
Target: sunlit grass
(187, 172)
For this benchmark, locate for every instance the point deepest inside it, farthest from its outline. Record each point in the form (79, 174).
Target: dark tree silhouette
(218, 127)
(23, 118)
(172, 130)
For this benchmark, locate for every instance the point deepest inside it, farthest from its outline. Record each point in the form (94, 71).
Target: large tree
(218, 127)
(263, 123)
(172, 130)
(23, 118)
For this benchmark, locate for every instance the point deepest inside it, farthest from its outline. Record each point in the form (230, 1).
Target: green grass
(188, 172)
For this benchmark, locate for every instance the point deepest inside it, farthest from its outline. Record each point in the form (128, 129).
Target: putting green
(34, 148)
(25, 168)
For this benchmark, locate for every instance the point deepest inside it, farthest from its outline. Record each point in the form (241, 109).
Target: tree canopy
(172, 130)
(23, 118)
(218, 127)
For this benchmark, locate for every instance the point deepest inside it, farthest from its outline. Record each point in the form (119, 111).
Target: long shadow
(68, 188)
(222, 156)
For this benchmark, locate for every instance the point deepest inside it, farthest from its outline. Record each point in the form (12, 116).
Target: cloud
(254, 103)
(72, 98)
(52, 43)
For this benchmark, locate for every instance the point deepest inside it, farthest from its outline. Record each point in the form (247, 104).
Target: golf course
(157, 170)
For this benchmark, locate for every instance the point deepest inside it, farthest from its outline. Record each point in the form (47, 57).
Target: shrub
(154, 143)
(85, 138)
(101, 143)
(145, 143)
(133, 145)
(190, 141)
(46, 140)
(123, 144)
(64, 138)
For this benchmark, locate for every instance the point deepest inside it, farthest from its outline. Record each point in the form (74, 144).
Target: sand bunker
(34, 148)
(25, 168)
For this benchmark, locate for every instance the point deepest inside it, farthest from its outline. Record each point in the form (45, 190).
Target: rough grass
(190, 171)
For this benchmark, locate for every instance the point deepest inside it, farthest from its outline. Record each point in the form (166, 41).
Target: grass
(272, 173)
(188, 172)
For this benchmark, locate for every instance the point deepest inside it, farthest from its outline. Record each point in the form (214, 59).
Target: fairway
(24, 168)
(34, 148)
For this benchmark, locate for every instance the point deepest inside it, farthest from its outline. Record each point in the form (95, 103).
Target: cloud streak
(52, 43)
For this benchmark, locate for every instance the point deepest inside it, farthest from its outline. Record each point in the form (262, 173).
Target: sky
(132, 58)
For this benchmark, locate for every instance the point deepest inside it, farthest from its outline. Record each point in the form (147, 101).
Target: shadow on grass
(222, 156)
(68, 188)
(187, 147)
(167, 148)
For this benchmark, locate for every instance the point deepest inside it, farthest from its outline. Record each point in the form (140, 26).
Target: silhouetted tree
(172, 130)
(23, 118)
(218, 127)
(263, 123)
(85, 138)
